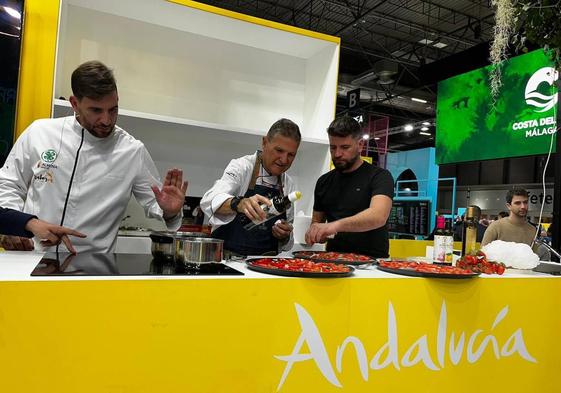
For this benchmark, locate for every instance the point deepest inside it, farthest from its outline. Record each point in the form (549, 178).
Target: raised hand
(172, 195)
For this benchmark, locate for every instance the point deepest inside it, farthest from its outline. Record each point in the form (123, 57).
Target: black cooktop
(84, 264)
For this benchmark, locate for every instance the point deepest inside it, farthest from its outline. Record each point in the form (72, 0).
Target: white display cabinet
(200, 88)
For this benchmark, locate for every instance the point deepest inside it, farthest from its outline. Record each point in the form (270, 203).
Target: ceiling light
(440, 45)
(426, 123)
(365, 136)
(425, 41)
(408, 127)
(424, 128)
(376, 138)
(425, 133)
(13, 13)
(418, 100)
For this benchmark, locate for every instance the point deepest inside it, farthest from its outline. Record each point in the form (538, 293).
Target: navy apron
(259, 240)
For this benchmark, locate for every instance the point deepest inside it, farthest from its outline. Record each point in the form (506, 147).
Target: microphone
(551, 249)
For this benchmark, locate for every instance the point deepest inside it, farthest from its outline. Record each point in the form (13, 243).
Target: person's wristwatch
(235, 202)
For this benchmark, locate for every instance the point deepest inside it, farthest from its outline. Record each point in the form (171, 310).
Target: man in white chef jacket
(249, 182)
(80, 171)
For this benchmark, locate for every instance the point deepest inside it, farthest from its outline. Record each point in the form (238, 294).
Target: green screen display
(521, 122)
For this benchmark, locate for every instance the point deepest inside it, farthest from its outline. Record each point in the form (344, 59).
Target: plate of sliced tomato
(348, 258)
(422, 269)
(298, 267)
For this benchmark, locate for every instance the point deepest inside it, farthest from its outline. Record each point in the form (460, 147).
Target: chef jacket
(235, 182)
(36, 179)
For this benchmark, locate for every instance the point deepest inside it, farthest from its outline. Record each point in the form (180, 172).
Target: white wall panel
(160, 70)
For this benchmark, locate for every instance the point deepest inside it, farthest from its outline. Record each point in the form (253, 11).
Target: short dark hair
(92, 79)
(503, 214)
(344, 126)
(517, 192)
(286, 128)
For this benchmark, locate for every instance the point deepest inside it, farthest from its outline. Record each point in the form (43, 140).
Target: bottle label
(269, 210)
(443, 249)
(272, 211)
(470, 240)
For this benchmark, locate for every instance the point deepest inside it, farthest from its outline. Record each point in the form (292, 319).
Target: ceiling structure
(393, 50)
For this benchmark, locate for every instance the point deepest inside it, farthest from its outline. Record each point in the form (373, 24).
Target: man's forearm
(225, 208)
(366, 220)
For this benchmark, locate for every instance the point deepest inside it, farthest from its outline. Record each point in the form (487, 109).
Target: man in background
(353, 201)
(515, 227)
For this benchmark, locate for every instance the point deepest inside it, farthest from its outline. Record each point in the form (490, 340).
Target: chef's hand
(251, 207)
(282, 229)
(16, 243)
(320, 232)
(172, 195)
(51, 235)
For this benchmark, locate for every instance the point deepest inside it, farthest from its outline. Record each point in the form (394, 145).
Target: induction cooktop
(85, 264)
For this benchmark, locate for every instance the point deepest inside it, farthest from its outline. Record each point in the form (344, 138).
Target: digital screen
(11, 17)
(409, 217)
(469, 127)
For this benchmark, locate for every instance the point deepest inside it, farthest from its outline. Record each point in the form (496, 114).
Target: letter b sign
(353, 99)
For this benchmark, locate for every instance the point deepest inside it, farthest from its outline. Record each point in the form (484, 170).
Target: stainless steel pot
(199, 250)
(186, 247)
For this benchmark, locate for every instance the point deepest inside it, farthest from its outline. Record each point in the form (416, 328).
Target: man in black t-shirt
(355, 198)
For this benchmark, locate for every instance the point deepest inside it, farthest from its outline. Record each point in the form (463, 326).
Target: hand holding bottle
(274, 208)
(252, 209)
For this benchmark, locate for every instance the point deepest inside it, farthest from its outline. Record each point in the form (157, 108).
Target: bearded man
(81, 171)
(353, 201)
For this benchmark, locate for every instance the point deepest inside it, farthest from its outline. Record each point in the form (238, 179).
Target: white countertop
(18, 265)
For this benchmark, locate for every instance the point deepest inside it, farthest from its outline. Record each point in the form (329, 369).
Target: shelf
(212, 130)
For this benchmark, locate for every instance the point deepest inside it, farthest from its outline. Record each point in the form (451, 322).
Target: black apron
(259, 240)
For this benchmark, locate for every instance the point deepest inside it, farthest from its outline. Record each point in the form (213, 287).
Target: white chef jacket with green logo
(36, 176)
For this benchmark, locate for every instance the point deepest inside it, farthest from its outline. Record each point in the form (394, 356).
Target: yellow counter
(375, 332)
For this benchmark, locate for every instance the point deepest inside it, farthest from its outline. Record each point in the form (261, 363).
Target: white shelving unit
(200, 88)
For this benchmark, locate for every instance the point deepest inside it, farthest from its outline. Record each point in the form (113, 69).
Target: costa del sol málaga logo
(540, 101)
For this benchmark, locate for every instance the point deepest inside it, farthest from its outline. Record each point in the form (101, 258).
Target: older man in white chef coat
(80, 171)
(249, 182)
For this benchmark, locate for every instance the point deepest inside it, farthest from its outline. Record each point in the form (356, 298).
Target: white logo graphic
(533, 97)
(435, 350)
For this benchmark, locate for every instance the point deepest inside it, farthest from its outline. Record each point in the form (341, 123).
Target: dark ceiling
(409, 44)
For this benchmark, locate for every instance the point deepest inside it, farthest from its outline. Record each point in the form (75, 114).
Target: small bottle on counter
(279, 205)
(443, 242)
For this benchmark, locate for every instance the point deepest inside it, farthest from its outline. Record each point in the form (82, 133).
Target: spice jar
(163, 247)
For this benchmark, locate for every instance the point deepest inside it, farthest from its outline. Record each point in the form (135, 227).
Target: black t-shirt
(340, 195)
